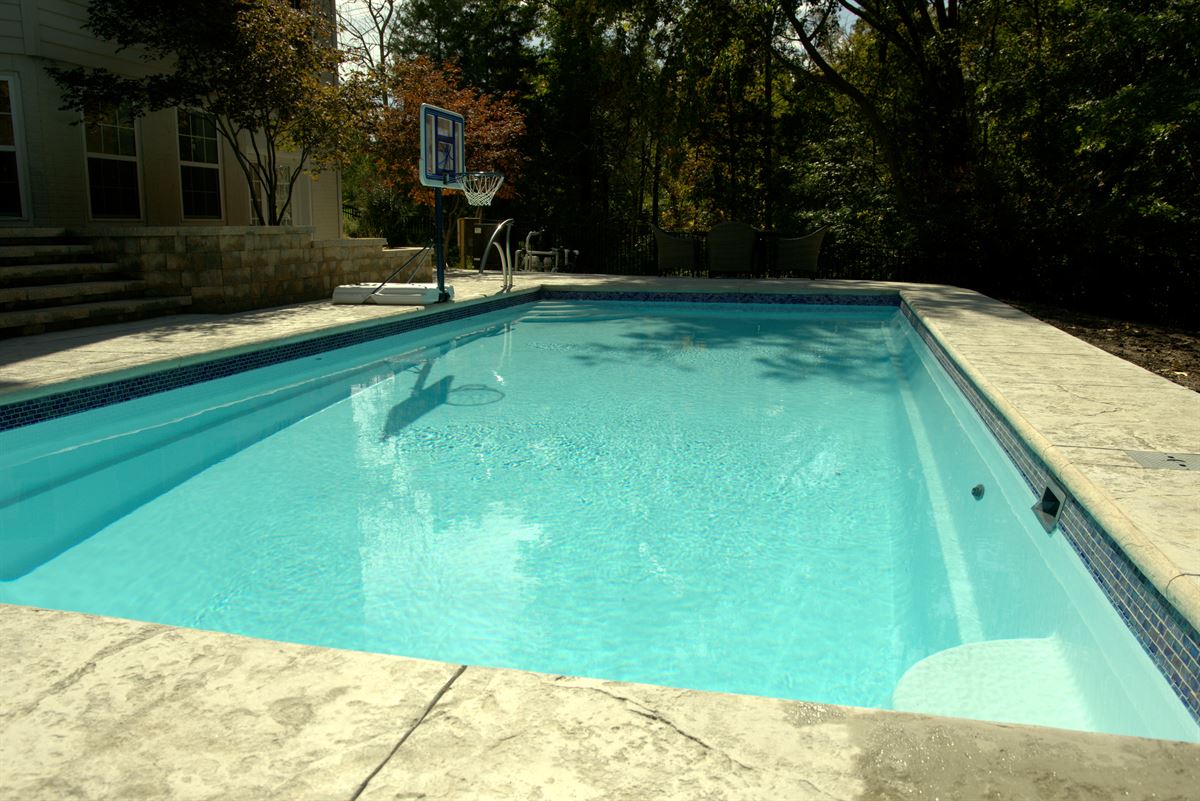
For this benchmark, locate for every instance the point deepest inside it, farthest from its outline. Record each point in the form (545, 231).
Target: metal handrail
(505, 262)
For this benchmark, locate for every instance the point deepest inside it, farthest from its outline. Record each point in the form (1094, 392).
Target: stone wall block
(195, 243)
(292, 256)
(213, 278)
(240, 276)
(104, 246)
(208, 293)
(235, 243)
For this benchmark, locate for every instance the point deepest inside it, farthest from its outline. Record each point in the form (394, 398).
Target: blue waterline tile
(875, 299)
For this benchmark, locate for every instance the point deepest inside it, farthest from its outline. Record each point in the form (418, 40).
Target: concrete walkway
(113, 709)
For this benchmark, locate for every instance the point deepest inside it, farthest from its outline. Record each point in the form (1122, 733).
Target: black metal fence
(627, 248)
(351, 219)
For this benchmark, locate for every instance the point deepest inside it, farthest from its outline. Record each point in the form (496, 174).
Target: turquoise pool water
(754, 499)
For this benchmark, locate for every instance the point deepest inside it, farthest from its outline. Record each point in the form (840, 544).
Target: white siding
(61, 37)
(12, 32)
(38, 33)
(326, 193)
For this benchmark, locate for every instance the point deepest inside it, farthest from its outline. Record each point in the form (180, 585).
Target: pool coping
(922, 301)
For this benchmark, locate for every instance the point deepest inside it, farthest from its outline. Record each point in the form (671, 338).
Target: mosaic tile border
(875, 299)
(1169, 639)
(61, 404)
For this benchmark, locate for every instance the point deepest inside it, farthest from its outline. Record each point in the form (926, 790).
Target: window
(112, 163)
(10, 182)
(281, 182)
(199, 165)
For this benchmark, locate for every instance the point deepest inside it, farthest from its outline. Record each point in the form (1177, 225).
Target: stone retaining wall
(232, 268)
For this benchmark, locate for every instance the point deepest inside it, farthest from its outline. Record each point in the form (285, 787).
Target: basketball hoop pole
(439, 245)
(443, 133)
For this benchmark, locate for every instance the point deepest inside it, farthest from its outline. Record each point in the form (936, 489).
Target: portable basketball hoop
(442, 166)
(480, 187)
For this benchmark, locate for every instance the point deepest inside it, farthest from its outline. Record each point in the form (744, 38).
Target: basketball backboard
(443, 135)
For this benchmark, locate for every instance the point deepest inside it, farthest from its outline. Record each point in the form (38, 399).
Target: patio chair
(731, 249)
(676, 254)
(797, 256)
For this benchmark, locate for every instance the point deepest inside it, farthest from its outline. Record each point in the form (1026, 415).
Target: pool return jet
(443, 140)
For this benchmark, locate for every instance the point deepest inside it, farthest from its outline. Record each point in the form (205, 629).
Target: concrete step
(43, 253)
(30, 297)
(31, 236)
(79, 315)
(57, 273)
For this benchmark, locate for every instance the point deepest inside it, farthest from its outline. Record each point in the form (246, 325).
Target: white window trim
(281, 169)
(219, 167)
(87, 177)
(18, 145)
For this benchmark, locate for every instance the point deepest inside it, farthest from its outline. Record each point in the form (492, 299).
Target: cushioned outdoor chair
(798, 256)
(676, 254)
(731, 249)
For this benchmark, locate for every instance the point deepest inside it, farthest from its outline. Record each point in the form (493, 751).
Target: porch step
(52, 280)
(33, 236)
(57, 318)
(23, 297)
(63, 273)
(45, 253)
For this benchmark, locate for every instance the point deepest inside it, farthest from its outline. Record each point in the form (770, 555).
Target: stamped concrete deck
(113, 709)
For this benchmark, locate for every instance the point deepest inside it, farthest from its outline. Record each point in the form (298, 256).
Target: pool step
(51, 280)
(1018, 681)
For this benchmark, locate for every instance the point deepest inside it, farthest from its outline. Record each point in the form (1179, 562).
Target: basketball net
(480, 187)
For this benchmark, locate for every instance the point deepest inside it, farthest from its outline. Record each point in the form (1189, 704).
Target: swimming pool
(692, 497)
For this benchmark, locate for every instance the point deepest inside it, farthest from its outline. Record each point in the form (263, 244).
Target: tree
(489, 41)
(901, 67)
(1091, 112)
(495, 129)
(264, 70)
(366, 34)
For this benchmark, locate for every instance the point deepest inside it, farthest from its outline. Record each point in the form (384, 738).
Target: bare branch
(874, 18)
(840, 84)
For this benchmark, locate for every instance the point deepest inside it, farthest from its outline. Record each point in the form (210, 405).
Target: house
(123, 218)
(168, 168)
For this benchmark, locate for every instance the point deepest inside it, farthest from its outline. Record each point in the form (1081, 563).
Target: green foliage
(489, 41)
(1092, 116)
(1034, 147)
(262, 68)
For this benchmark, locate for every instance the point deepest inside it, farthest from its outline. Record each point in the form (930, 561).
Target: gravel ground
(1173, 353)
